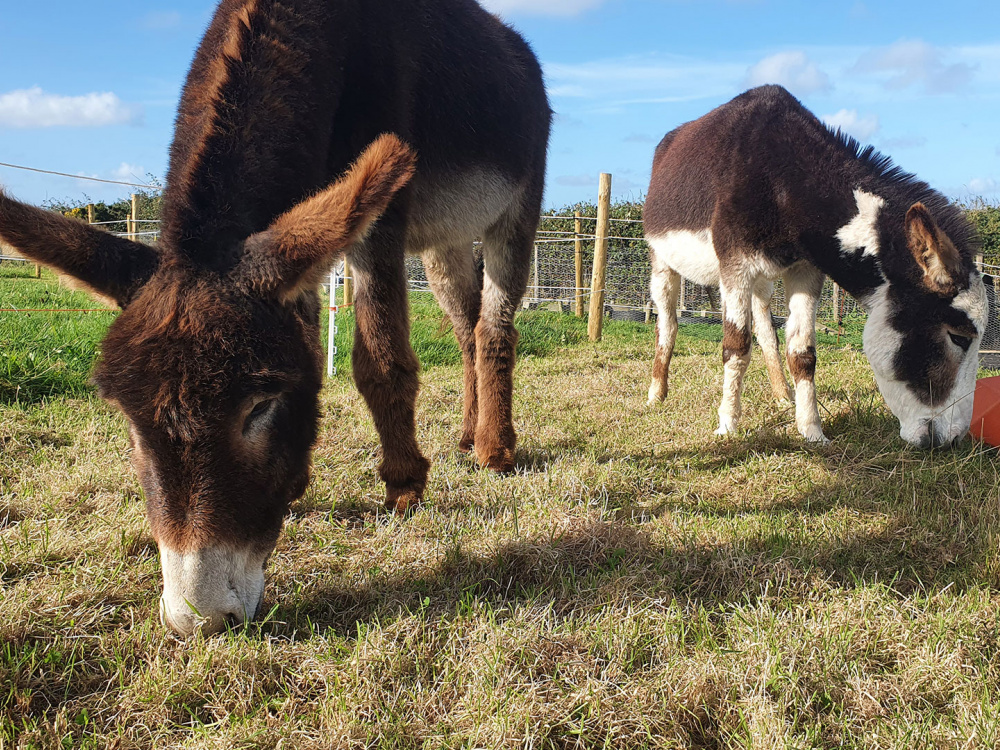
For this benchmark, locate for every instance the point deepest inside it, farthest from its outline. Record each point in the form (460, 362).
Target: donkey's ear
(110, 266)
(935, 253)
(292, 254)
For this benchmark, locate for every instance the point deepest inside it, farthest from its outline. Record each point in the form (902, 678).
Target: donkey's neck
(852, 255)
(869, 247)
(253, 129)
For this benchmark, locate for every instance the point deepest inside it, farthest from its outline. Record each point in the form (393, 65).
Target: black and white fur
(759, 189)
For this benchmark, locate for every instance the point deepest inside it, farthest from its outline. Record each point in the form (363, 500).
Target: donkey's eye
(963, 342)
(260, 410)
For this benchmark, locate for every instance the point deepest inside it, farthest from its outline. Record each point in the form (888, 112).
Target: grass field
(639, 583)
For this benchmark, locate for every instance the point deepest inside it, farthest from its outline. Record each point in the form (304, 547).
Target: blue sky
(92, 89)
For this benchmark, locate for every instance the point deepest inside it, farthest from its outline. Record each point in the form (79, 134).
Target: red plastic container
(986, 411)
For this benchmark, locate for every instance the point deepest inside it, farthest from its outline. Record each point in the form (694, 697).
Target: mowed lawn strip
(639, 583)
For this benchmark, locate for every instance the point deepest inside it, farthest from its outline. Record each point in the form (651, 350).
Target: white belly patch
(691, 254)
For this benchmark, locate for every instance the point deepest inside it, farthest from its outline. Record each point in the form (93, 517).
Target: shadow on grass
(578, 568)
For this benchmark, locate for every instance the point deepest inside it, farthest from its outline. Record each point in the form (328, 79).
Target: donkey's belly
(458, 208)
(691, 254)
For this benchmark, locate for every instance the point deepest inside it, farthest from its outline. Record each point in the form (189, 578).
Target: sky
(92, 90)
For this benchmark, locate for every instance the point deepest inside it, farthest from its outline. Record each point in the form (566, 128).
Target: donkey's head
(923, 331)
(218, 373)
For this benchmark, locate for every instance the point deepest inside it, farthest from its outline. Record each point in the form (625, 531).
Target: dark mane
(906, 187)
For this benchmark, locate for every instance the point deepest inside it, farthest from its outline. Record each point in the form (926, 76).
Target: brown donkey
(215, 359)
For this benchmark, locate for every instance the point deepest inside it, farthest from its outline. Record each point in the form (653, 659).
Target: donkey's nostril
(233, 621)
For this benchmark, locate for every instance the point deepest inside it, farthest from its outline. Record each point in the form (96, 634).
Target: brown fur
(280, 164)
(495, 384)
(661, 361)
(735, 341)
(802, 365)
(936, 255)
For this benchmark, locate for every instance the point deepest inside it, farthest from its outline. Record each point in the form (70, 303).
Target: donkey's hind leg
(664, 288)
(803, 284)
(507, 249)
(455, 281)
(768, 339)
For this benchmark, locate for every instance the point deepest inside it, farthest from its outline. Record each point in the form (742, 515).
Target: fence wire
(552, 284)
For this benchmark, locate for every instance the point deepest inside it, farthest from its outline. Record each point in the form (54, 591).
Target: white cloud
(642, 79)
(848, 120)
(129, 173)
(983, 185)
(541, 7)
(793, 70)
(33, 108)
(161, 20)
(914, 62)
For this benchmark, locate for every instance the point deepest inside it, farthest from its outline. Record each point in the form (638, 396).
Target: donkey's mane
(249, 56)
(907, 188)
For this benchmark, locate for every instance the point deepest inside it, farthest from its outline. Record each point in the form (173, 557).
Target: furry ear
(292, 254)
(110, 266)
(934, 252)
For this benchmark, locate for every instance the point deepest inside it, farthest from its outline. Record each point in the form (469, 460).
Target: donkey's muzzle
(210, 589)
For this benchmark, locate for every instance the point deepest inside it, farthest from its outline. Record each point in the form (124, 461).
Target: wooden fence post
(90, 213)
(348, 284)
(595, 322)
(133, 224)
(579, 265)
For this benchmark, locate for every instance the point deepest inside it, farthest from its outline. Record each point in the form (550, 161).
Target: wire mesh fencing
(563, 259)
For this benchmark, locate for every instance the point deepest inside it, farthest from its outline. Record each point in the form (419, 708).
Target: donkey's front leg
(385, 367)
(803, 285)
(736, 316)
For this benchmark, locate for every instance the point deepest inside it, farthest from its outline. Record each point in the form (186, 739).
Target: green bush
(986, 217)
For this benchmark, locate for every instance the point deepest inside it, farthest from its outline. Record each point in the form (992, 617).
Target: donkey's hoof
(500, 460)
(815, 436)
(402, 500)
(726, 427)
(657, 393)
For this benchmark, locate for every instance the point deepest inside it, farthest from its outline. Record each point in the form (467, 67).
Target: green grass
(638, 583)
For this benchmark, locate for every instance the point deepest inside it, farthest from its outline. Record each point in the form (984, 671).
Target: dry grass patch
(638, 583)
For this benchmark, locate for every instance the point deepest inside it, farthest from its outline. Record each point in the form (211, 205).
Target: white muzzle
(210, 589)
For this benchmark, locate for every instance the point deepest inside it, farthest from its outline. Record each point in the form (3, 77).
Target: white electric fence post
(331, 348)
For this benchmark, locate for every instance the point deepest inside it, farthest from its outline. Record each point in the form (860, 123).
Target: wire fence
(554, 283)
(561, 267)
